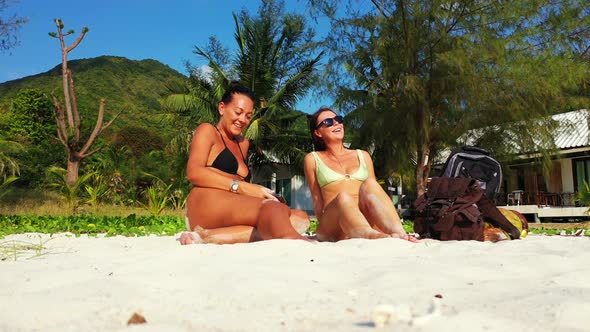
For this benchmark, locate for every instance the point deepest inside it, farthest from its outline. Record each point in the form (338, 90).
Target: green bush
(131, 225)
(32, 117)
(140, 140)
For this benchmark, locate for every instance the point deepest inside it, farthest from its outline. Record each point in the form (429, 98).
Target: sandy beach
(541, 283)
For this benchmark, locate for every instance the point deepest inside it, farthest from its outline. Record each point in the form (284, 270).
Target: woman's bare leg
(208, 209)
(239, 234)
(300, 220)
(213, 208)
(271, 222)
(379, 210)
(342, 219)
(224, 235)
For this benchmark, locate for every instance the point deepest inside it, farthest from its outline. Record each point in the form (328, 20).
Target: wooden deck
(548, 213)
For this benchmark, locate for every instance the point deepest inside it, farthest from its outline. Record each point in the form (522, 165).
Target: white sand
(95, 284)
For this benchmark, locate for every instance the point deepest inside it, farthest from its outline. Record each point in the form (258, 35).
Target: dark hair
(318, 143)
(236, 87)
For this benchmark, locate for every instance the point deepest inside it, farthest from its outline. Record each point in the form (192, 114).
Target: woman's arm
(314, 187)
(197, 171)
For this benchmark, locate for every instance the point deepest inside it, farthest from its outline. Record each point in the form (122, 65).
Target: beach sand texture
(541, 283)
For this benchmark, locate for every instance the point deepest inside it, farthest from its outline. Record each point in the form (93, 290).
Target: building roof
(573, 130)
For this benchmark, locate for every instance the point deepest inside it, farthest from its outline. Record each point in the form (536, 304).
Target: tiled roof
(573, 129)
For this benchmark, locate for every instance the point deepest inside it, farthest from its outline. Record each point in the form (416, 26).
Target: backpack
(476, 163)
(457, 209)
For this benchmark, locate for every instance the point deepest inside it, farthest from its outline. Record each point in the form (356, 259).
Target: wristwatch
(234, 186)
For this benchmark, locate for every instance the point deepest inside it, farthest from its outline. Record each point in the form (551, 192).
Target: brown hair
(318, 142)
(234, 88)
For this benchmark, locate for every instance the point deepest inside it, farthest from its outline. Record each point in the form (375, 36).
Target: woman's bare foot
(405, 237)
(367, 233)
(190, 238)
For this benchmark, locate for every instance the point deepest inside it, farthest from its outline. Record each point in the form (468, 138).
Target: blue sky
(166, 31)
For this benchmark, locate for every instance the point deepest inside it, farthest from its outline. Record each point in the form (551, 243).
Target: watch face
(234, 187)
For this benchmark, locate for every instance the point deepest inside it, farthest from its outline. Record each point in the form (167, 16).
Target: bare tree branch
(62, 135)
(69, 134)
(75, 114)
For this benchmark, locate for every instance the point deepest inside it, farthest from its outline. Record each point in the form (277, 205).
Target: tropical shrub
(31, 117)
(157, 196)
(97, 188)
(582, 197)
(56, 177)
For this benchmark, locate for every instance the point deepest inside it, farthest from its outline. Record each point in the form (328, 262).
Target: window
(582, 172)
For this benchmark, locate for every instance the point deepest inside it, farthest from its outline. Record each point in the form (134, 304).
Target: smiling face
(334, 132)
(236, 114)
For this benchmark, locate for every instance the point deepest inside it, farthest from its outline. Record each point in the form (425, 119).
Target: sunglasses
(330, 121)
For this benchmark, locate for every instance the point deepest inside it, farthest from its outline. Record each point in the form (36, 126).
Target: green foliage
(157, 195)
(583, 196)
(415, 76)
(138, 139)
(5, 183)
(275, 60)
(313, 226)
(408, 226)
(31, 117)
(131, 86)
(9, 166)
(35, 159)
(117, 166)
(56, 178)
(131, 225)
(97, 189)
(179, 196)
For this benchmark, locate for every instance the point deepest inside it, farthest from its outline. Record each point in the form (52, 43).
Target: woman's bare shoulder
(204, 130)
(365, 153)
(308, 156)
(205, 127)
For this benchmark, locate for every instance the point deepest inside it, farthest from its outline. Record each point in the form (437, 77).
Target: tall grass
(42, 203)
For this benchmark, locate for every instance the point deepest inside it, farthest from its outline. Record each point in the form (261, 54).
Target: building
(549, 193)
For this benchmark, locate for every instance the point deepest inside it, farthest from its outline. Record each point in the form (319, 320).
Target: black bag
(457, 209)
(476, 163)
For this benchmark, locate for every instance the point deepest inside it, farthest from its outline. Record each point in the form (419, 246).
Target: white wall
(567, 177)
(300, 194)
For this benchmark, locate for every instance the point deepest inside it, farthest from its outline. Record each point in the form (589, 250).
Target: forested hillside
(133, 87)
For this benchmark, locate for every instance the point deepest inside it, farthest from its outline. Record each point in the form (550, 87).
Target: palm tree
(8, 166)
(274, 59)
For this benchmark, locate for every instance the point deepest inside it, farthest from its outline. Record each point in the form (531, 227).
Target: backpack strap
(497, 218)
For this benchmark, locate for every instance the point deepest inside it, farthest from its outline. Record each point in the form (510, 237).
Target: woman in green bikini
(348, 201)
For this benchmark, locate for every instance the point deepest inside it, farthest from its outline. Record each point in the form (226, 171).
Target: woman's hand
(256, 190)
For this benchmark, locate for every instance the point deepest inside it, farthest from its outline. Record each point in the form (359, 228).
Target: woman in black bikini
(223, 206)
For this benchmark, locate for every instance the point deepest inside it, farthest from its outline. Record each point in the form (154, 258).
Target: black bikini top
(227, 162)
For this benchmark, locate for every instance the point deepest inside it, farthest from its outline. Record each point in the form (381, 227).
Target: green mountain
(132, 87)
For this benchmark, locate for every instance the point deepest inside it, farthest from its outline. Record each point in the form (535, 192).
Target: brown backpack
(456, 209)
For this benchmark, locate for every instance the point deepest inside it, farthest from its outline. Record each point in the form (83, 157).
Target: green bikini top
(326, 175)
